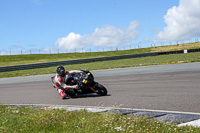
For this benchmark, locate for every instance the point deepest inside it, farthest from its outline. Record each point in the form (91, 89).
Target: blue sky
(67, 25)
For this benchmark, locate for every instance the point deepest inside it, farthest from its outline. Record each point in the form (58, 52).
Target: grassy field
(28, 120)
(144, 61)
(176, 47)
(39, 58)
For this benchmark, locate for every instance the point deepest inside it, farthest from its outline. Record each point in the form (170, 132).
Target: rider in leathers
(60, 81)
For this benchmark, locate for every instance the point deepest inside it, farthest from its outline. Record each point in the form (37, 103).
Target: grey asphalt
(162, 87)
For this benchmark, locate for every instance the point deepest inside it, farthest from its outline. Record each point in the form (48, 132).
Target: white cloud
(71, 41)
(182, 21)
(106, 36)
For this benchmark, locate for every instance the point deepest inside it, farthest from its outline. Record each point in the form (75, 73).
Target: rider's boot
(62, 94)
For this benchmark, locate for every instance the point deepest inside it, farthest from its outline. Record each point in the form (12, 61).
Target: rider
(60, 81)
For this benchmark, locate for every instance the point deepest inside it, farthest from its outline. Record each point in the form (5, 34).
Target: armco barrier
(81, 61)
(171, 52)
(194, 50)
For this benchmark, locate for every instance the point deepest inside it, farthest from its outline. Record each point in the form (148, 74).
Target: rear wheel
(101, 90)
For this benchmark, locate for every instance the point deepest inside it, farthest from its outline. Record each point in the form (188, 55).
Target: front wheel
(101, 90)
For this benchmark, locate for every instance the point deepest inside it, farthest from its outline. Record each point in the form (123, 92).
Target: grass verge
(25, 119)
(133, 62)
(40, 58)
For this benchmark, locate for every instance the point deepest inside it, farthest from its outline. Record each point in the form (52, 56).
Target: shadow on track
(86, 96)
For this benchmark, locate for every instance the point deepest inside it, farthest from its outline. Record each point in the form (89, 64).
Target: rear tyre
(101, 90)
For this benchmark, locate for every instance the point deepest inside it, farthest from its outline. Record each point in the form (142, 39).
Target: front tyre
(101, 90)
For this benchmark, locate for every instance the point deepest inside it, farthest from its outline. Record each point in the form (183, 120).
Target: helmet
(61, 71)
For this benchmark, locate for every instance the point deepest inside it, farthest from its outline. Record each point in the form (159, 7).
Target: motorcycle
(86, 84)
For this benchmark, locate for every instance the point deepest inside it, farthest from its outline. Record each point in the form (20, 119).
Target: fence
(98, 49)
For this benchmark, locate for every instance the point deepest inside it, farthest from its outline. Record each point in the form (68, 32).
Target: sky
(38, 26)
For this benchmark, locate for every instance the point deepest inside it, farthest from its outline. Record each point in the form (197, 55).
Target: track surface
(164, 87)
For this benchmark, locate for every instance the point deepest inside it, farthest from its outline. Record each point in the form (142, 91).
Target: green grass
(40, 58)
(194, 45)
(144, 61)
(28, 120)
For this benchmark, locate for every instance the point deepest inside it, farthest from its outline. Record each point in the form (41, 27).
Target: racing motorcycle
(86, 84)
